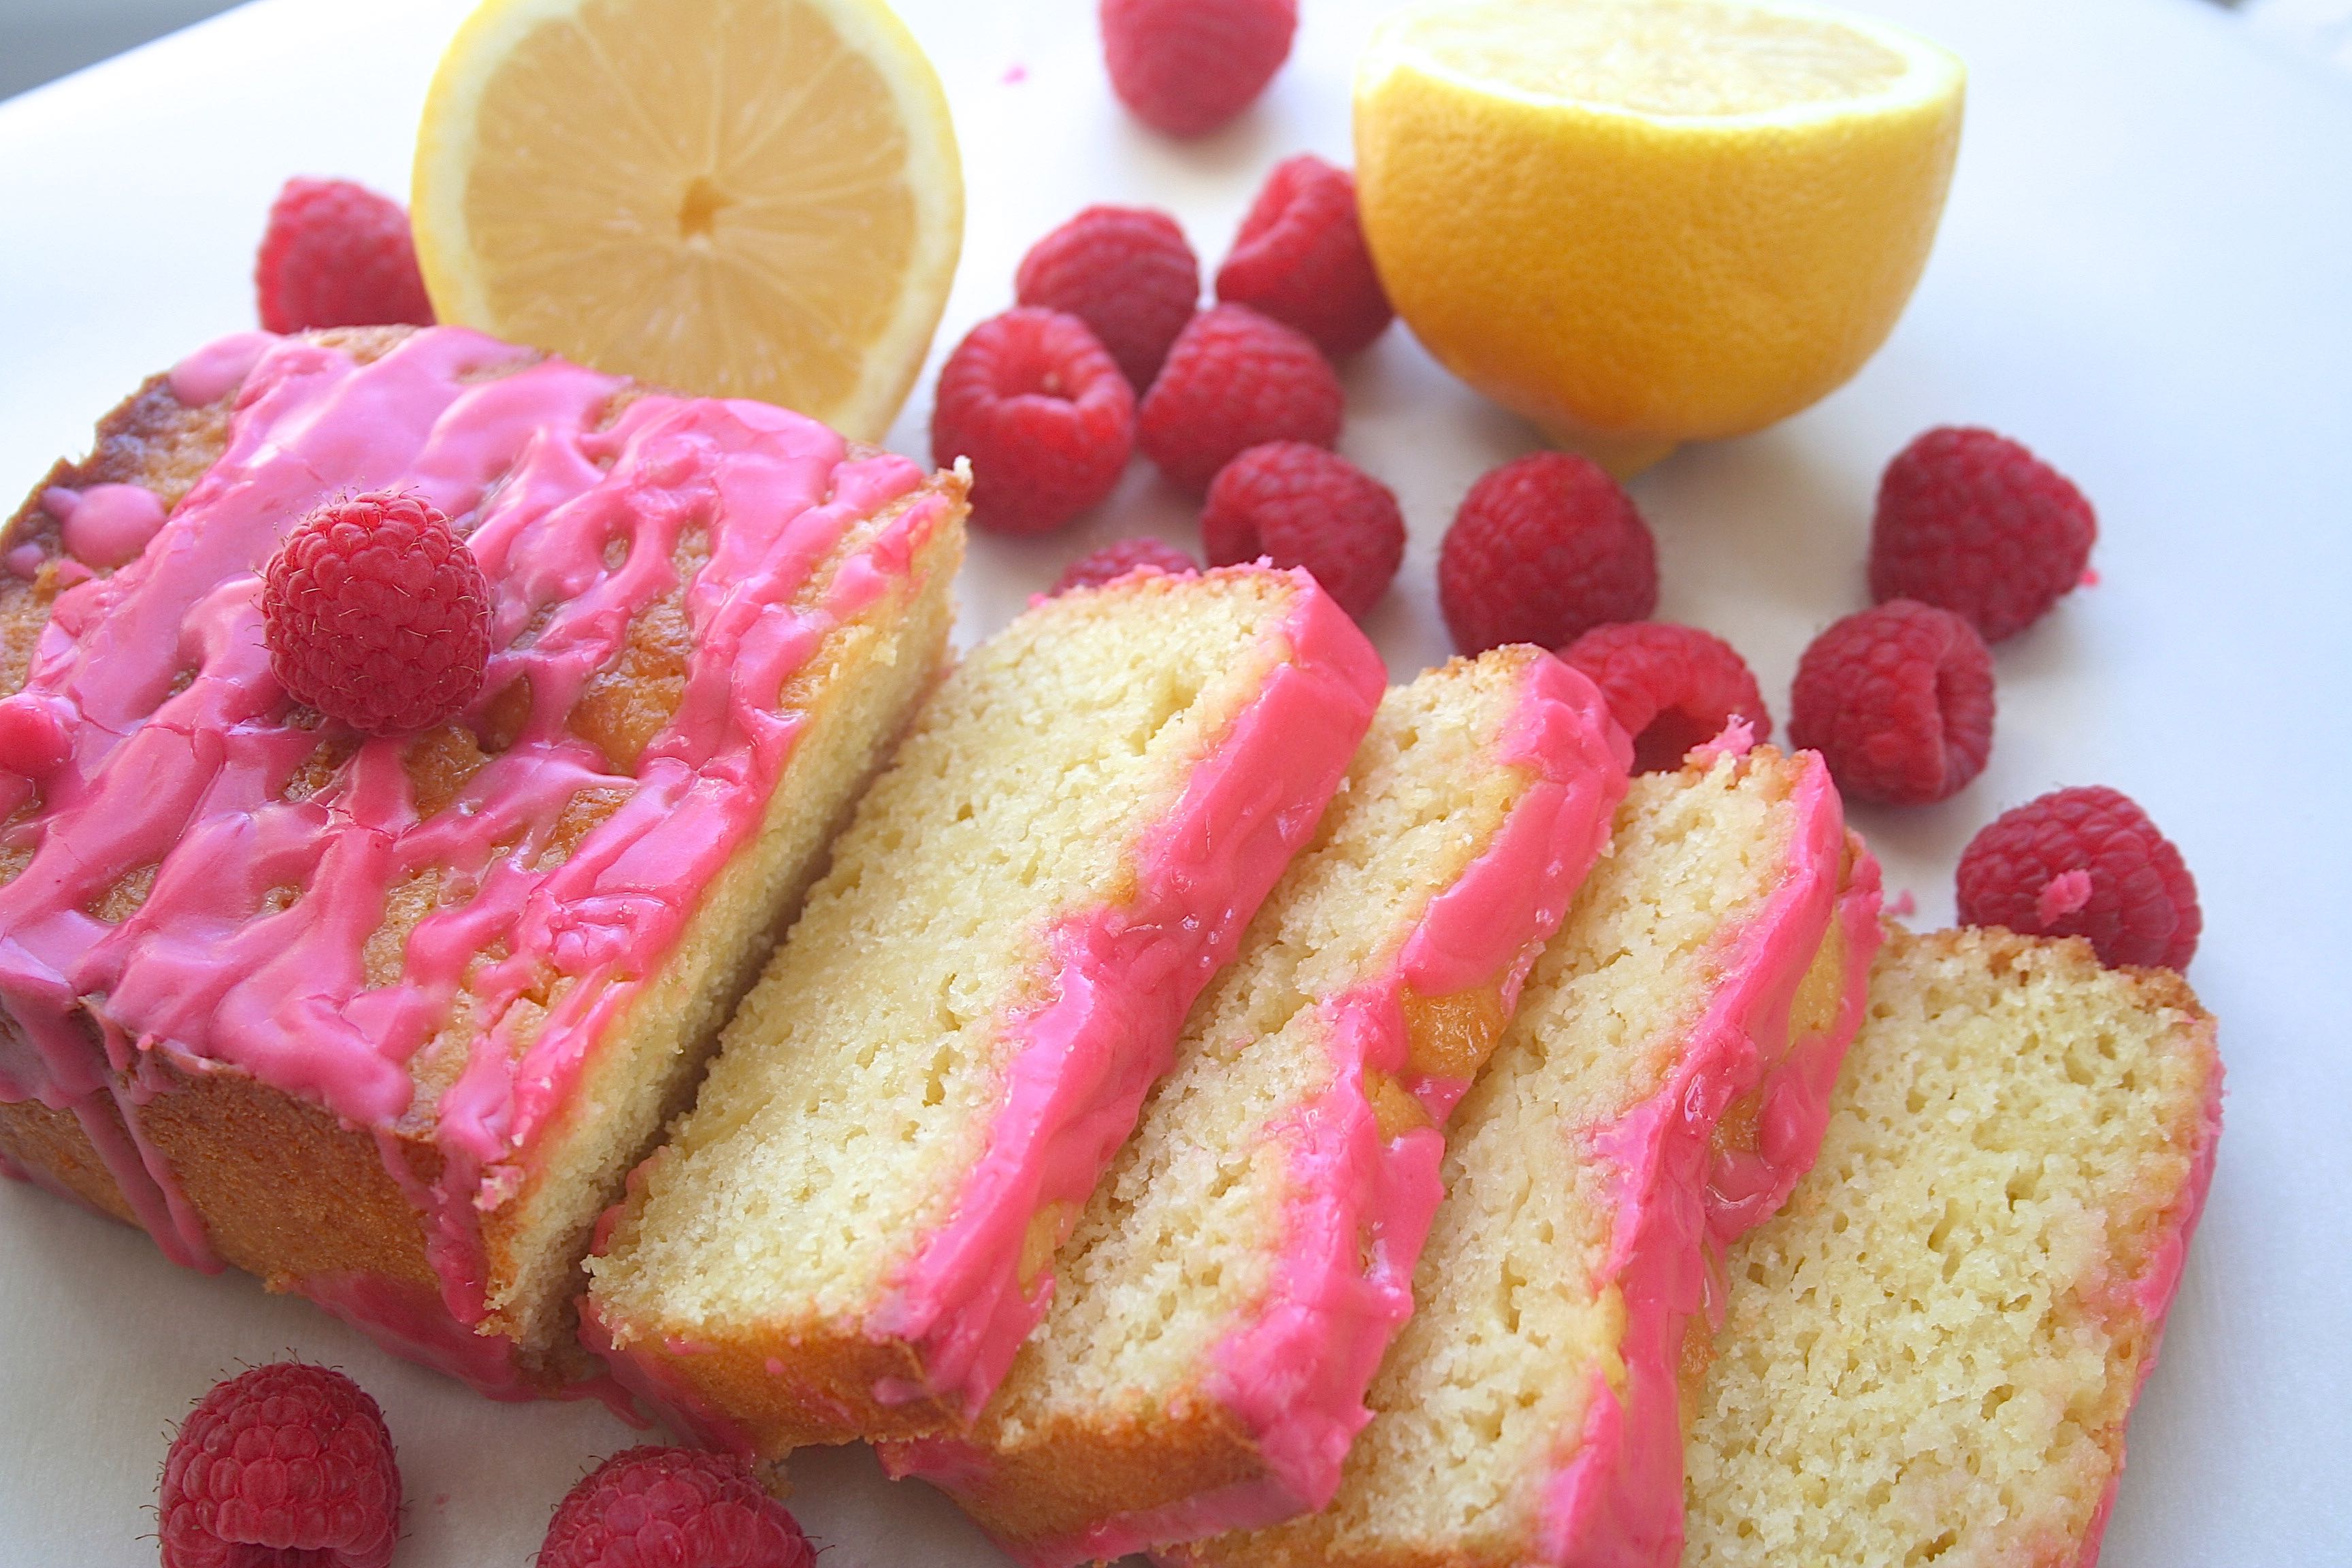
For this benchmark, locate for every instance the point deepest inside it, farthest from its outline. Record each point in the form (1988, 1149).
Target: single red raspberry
(337, 255)
(1300, 258)
(1670, 687)
(1302, 506)
(2084, 862)
(1045, 415)
(1124, 272)
(284, 1464)
(377, 614)
(1898, 702)
(1974, 522)
(1542, 551)
(653, 1506)
(1186, 66)
(1121, 556)
(1233, 381)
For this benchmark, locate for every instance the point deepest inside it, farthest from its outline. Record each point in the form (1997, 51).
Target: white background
(2145, 272)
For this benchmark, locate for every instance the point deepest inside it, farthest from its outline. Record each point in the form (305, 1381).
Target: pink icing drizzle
(1618, 1496)
(1126, 974)
(105, 526)
(177, 750)
(1293, 1374)
(218, 367)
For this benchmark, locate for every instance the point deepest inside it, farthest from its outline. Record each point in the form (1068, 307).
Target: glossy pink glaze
(178, 745)
(1293, 1375)
(1125, 974)
(1617, 1500)
(105, 526)
(2148, 1295)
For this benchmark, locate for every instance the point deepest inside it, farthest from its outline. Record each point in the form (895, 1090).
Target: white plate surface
(2143, 273)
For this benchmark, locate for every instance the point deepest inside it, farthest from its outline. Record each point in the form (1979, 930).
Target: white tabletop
(2145, 273)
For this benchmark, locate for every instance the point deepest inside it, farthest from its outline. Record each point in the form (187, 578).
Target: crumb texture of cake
(1703, 984)
(1930, 1356)
(853, 1231)
(1235, 1277)
(386, 1021)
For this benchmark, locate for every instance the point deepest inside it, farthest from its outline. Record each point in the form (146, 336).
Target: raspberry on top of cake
(240, 944)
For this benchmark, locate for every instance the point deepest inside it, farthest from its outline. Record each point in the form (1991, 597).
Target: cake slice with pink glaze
(386, 1021)
(1931, 1353)
(1233, 1281)
(1661, 1086)
(853, 1230)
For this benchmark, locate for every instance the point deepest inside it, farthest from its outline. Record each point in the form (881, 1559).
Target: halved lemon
(1641, 222)
(738, 198)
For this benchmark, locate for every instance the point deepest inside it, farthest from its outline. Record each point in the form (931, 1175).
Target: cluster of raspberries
(1109, 351)
(1974, 539)
(292, 1463)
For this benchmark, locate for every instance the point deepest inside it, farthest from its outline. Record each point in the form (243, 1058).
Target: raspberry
(1124, 272)
(658, 1506)
(1236, 380)
(337, 255)
(1542, 551)
(377, 614)
(2084, 862)
(1303, 506)
(1672, 688)
(1300, 258)
(1186, 66)
(1117, 559)
(1043, 413)
(284, 1464)
(1898, 701)
(1974, 522)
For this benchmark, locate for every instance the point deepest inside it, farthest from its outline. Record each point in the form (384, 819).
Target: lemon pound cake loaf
(851, 1231)
(1682, 1028)
(386, 1019)
(1235, 1279)
(1931, 1354)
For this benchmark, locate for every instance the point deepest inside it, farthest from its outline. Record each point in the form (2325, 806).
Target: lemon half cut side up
(1643, 222)
(735, 198)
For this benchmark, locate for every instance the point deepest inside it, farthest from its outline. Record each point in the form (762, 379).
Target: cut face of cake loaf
(1665, 1077)
(1238, 1273)
(851, 1231)
(1931, 1354)
(386, 1021)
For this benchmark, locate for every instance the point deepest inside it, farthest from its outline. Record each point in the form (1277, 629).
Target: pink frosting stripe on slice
(1123, 977)
(1293, 1375)
(1617, 1500)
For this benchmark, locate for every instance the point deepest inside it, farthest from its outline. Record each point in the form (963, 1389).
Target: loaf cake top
(422, 933)
(1932, 1352)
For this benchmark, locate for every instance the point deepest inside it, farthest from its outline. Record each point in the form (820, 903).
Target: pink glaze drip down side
(1617, 1499)
(2148, 1295)
(1123, 975)
(1293, 1375)
(178, 749)
(105, 526)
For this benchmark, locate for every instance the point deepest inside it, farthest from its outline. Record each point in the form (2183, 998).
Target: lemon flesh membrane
(1639, 224)
(737, 198)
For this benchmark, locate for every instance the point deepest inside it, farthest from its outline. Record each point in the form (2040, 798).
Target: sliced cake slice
(1685, 1024)
(1931, 1354)
(386, 1021)
(1238, 1273)
(852, 1233)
